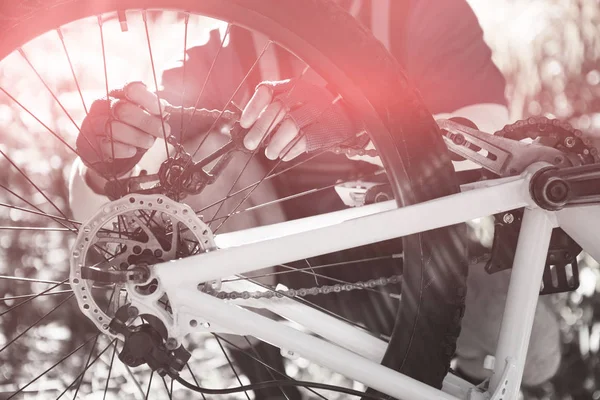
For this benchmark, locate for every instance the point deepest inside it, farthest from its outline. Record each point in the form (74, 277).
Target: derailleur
(179, 176)
(147, 343)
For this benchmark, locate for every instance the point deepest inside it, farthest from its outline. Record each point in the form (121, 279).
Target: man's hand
(298, 116)
(131, 117)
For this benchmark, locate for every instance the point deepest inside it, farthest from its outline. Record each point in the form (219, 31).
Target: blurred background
(549, 51)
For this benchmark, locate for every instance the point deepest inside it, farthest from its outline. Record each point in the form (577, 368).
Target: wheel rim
(68, 225)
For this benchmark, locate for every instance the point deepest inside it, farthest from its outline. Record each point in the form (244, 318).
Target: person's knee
(486, 296)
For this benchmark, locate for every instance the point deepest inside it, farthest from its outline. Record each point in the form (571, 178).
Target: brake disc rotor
(132, 231)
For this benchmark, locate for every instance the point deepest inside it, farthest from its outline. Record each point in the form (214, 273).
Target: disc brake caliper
(147, 344)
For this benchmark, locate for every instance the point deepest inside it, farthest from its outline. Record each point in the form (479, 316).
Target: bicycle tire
(372, 83)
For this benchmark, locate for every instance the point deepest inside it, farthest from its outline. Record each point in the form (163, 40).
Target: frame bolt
(508, 218)
(570, 142)
(172, 343)
(289, 354)
(459, 140)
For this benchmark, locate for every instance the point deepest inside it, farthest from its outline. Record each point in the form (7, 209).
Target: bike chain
(304, 292)
(554, 133)
(351, 152)
(317, 290)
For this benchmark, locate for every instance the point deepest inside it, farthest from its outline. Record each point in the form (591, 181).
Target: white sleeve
(84, 202)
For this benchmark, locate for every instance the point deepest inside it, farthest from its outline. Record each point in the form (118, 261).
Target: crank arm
(554, 189)
(505, 157)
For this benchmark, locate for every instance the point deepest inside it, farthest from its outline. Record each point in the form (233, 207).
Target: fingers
(297, 149)
(141, 119)
(129, 135)
(261, 117)
(268, 120)
(121, 150)
(138, 93)
(259, 101)
(281, 139)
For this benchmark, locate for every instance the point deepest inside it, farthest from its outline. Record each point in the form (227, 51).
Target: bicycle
(156, 309)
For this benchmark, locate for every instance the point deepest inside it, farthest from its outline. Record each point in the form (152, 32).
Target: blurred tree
(549, 51)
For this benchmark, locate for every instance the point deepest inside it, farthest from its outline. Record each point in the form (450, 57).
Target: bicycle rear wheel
(345, 55)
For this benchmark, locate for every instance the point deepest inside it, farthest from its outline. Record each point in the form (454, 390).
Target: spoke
(210, 129)
(36, 322)
(62, 40)
(33, 184)
(16, 278)
(341, 263)
(33, 298)
(40, 121)
(247, 195)
(127, 368)
(269, 368)
(55, 365)
(320, 153)
(304, 270)
(87, 363)
(33, 228)
(160, 109)
(110, 367)
(27, 296)
(280, 160)
(88, 366)
(231, 364)
(59, 220)
(183, 86)
(206, 80)
(290, 197)
(255, 151)
(194, 378)
(169, 393)
(149, 385)
(307, 302)
(22, 53)
(312, 271)
(51, 131)
(110, 130)
(81, 374)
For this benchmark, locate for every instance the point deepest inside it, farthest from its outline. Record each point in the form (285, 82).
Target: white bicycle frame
(349, 350)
